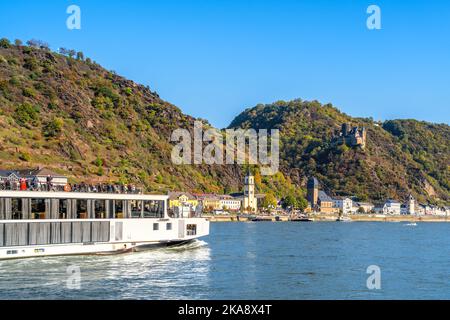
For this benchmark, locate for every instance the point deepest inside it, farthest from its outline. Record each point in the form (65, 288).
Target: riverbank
(330, 218)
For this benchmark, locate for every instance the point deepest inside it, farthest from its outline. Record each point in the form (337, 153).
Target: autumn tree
(269, 202)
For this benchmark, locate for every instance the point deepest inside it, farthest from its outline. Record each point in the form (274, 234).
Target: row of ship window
(17, 209)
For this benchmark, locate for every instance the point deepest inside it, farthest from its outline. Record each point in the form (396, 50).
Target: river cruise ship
(40, 223)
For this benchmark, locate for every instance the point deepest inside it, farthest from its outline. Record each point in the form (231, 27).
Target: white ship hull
(61, 227)
(136, 235)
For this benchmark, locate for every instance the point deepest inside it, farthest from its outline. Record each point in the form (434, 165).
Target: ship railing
(177, 215)
(110, 189)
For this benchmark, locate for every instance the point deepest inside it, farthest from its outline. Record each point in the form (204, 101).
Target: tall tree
(80, 56)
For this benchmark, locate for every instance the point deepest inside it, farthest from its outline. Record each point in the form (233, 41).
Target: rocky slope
(77, 118)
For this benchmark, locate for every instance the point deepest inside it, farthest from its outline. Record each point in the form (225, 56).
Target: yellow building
(210, 202)
(326, 203)
(182, 199)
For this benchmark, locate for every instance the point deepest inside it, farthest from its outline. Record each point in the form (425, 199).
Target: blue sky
(215, 58)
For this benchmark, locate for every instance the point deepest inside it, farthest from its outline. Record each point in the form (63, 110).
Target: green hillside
(401, 156)
(79, 119)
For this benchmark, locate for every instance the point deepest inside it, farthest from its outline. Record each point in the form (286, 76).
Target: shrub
(26, 114)
(29, 92)
(13, 61)
(100, 171)
(15, 81)
(47, 66)
(107, 92)
(4, 43)
(53, 128)
(128, 91)
(107, 115)
(31, 63)
(14, 140)
(52, 105)
(98, 162)
(24, 156)
(102, 103)
(34, 76)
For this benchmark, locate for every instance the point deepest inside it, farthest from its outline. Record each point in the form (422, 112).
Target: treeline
(39, 44)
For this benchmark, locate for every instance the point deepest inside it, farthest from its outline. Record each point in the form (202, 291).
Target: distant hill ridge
(400, 156)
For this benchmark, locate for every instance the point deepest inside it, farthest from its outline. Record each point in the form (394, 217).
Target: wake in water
(196, 244)
(412, 224)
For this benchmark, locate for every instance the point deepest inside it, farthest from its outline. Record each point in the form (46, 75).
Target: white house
(440, 211)
(9, 175)
(230, 203)
(392, 207)
(345, 205)
(428, 210)
(40, 174)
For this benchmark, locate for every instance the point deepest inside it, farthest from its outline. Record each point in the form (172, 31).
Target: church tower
(411, 204)
(312, 192)
(249, 194)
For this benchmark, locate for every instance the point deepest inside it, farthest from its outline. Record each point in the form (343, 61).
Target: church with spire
(317, 199)
(249, 201)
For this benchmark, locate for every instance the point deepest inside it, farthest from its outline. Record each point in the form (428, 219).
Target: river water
(254, 260)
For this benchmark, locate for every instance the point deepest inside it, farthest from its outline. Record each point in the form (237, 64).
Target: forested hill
(401, 156)
(67, 113)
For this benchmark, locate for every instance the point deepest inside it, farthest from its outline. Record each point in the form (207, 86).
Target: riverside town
(249, 205)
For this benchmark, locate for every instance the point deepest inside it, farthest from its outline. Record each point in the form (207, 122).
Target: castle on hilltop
(354, 137)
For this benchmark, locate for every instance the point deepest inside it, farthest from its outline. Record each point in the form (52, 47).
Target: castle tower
(249, 193)
(364, 136)
(411, 205)
(312, 192)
